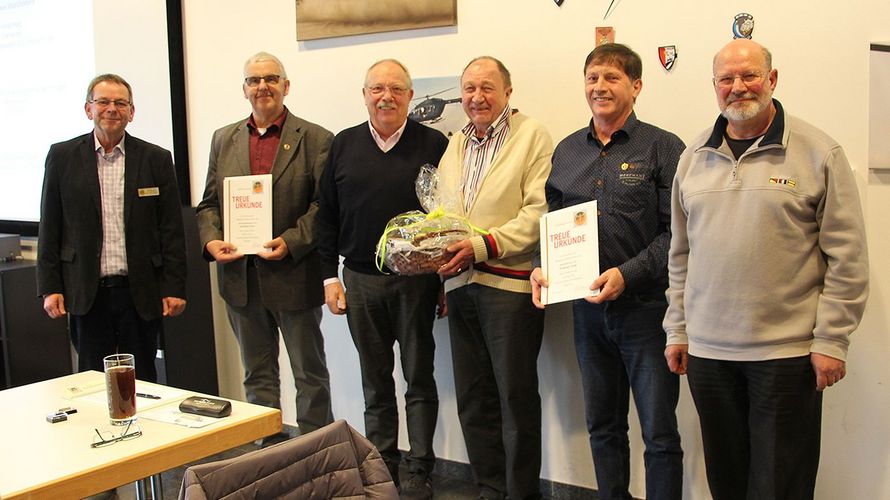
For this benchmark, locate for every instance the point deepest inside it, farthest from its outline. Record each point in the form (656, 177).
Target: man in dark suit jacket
(281, 287)
(111, 247)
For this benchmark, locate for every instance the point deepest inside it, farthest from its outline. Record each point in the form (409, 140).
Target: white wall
(147, 71)
(821, 51)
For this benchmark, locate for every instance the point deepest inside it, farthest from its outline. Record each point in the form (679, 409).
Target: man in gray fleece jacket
(768, 278)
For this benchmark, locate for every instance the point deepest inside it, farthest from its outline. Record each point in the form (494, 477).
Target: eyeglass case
(208, 407)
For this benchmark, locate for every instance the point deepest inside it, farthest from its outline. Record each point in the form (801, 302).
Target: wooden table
(43, 460)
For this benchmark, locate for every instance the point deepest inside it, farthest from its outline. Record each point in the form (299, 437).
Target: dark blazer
(295, 282)
(69, 245)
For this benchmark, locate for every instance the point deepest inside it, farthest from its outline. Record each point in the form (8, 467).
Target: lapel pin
(287, 147)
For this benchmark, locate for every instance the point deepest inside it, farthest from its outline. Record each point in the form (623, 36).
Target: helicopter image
(429, 110)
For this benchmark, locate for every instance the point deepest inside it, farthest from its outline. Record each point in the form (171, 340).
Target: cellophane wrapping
(415, 242)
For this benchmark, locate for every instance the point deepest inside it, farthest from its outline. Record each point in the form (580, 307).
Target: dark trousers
(495, 340)
(620, 348)
(113, 326)
(382, 310)
(761, 426)
(256, 328)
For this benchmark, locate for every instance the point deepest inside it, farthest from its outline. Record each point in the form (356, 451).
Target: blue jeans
(620, 347)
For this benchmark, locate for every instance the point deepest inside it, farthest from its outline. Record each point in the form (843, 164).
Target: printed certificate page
(569, 253)
(247, 212)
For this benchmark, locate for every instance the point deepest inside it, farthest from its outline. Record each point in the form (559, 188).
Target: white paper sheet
(247, 212)
(569, 253)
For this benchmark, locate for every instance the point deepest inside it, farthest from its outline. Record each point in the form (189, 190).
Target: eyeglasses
(254, 81)
(396, 90)
(728, 81)
(118, 103)
(108, 437)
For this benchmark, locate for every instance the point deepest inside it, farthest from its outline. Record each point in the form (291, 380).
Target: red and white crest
(667, 54)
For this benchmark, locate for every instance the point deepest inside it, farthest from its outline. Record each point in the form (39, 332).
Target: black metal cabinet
(34, 347)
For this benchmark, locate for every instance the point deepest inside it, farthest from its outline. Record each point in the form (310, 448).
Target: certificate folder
(569, 253)
(247, 212)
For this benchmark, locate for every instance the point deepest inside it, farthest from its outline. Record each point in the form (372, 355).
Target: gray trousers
(496, 336)
(256, 328)
(382, 310)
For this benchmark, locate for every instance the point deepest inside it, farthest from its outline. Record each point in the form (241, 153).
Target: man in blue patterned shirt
(628, 167)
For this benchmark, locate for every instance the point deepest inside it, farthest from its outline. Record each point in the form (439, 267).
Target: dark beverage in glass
(120, 385)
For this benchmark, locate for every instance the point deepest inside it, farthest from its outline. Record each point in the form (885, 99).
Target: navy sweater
(362, 188)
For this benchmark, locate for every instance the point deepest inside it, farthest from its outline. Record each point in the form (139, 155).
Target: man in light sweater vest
(498, 163)
(768, 278)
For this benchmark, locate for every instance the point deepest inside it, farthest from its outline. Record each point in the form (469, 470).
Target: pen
(147, 396)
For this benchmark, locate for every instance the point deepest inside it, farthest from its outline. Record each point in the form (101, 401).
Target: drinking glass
(120, 387)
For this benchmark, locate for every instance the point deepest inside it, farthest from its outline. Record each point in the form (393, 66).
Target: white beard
(745, 111)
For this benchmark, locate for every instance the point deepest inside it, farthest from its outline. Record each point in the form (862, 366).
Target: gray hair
(265, 56)
(505, 74)
(108, 77)
(393, 61)
(767, 59)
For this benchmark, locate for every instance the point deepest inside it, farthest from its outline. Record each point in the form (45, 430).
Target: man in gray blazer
(111, 248)
(280, 288)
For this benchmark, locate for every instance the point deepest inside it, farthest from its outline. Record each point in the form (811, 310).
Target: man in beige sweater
(498, 164)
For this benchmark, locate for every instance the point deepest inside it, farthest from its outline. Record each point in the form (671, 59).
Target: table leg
(157, 489)
(141, 492)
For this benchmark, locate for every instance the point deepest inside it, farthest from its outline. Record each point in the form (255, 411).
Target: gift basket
(415, 242)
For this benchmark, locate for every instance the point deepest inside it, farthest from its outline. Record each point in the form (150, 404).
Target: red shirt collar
(277, 124)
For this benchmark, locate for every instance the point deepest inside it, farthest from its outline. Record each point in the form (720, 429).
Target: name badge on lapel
(149, 191)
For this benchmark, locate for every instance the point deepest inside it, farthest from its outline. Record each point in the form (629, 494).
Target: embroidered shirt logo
(783, 180)
(628, 177)
(631, 174)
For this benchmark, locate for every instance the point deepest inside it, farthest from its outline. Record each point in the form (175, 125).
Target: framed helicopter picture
(436, 104)
(332, 18)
